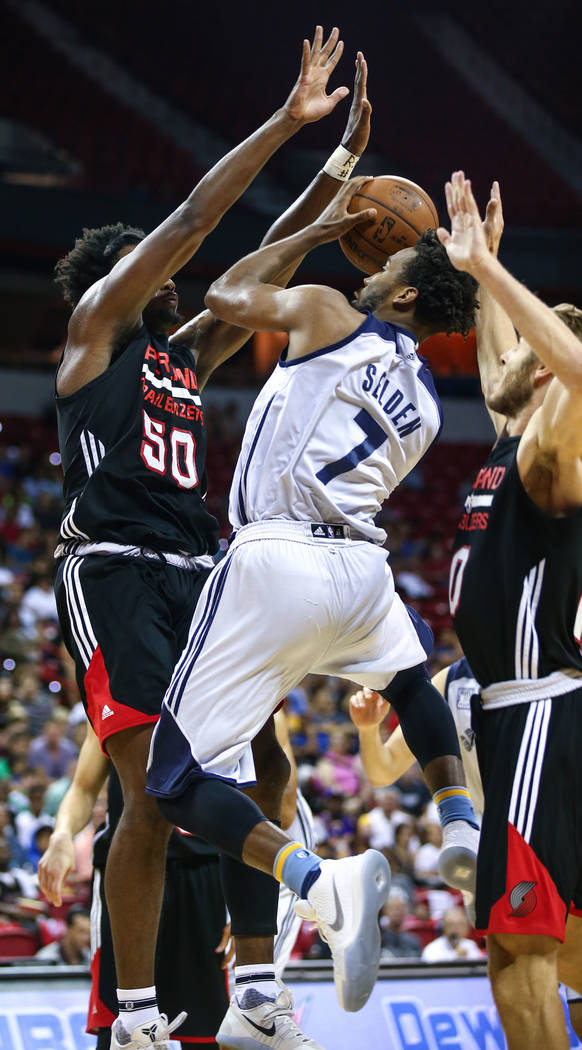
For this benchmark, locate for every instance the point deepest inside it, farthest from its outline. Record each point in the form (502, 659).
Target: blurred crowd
(42, 725)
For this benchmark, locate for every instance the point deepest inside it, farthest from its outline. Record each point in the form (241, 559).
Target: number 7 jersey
(333, 433)
(133, 448)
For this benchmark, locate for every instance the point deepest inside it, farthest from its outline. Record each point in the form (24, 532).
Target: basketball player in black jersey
(516, 598)
(136, 536)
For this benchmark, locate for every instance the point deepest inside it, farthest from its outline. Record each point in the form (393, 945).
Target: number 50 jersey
(333, 433)
(133, 447)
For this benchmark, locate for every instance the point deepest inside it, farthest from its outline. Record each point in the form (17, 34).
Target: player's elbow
(226, 302)
(215, 299)
(378, 777)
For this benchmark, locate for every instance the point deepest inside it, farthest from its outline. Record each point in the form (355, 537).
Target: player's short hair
(93, 256)
(571, 316)
(446, 297)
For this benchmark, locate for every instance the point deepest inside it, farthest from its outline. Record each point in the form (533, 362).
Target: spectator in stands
(52, 752)
(38, 703)
(32, 818)
(15, 881)
(37, 604)
(426, 869)
(73, 948)
(401, 855)
(396, 942)
(454, 943)
(340, 770)
(378, 826)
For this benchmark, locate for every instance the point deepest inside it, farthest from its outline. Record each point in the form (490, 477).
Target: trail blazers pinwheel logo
(523, 899)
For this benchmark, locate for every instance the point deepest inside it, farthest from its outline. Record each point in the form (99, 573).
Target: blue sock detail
(456, 807)
(300, 870)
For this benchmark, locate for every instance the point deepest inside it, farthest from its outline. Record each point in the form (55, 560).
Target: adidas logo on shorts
(106, 712)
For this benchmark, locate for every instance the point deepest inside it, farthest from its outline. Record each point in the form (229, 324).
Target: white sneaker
(345, 903)
(262, 1022)
(458, 857)
(153, 1034)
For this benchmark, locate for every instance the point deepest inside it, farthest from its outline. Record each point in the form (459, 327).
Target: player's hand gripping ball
(403, 212)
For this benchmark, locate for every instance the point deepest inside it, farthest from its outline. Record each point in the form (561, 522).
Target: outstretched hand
(466, 245)
(308, 100)
(493, 225)
(367, 708)
(357, 133)
(336, 220)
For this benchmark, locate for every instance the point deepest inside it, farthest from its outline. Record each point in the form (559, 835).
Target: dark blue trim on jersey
(385, 329)
(201, 633)
(244, 473)
(425, 376)
(368, 324)
(423, 630)
(460, 669)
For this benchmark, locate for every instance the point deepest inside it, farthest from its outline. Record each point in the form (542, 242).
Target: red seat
(16, 941)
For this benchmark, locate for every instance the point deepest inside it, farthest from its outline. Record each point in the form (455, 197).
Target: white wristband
(341, 164)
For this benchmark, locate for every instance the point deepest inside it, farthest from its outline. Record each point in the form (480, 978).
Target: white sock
(137, 1005)
(250, 980)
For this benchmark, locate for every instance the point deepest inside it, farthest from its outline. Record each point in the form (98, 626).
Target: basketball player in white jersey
(305, 586)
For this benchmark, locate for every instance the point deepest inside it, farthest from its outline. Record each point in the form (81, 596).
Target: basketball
(404, 211)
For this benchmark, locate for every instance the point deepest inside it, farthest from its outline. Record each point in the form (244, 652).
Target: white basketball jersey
(333, 433)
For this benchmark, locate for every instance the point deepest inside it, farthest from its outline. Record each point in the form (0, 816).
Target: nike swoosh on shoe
(339, 916)
(265, 1031)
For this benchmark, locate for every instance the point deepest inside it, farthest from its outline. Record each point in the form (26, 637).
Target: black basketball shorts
(529, 871)
(188, 971)
(125, 622)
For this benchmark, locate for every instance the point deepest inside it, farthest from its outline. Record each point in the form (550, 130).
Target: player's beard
(367, 300)
(162, 318)
(516, 392)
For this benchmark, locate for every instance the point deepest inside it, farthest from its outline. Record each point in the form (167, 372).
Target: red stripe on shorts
(100, 1015)
(531, 903)
(108, 716)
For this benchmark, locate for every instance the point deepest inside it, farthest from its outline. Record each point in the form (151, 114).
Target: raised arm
(214, 341)
(245, 294)
(74, 813)
(494, 330)
(112, 307)
(553, 433)
(384, 761)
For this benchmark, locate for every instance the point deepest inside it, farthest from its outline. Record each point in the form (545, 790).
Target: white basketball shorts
(282, 604)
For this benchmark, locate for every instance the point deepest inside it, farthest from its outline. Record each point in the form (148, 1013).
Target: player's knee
(521, 968)
(142, 815)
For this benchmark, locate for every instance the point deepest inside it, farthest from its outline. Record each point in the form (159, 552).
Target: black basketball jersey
(182, 846)
(133, 448)
(516, 578)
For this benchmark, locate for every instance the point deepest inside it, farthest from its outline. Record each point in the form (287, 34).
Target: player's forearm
(260, 267)
(74, 812)
(383, 763)
(305, 210)
(555, 345)
(495, 334)
(231, 176)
